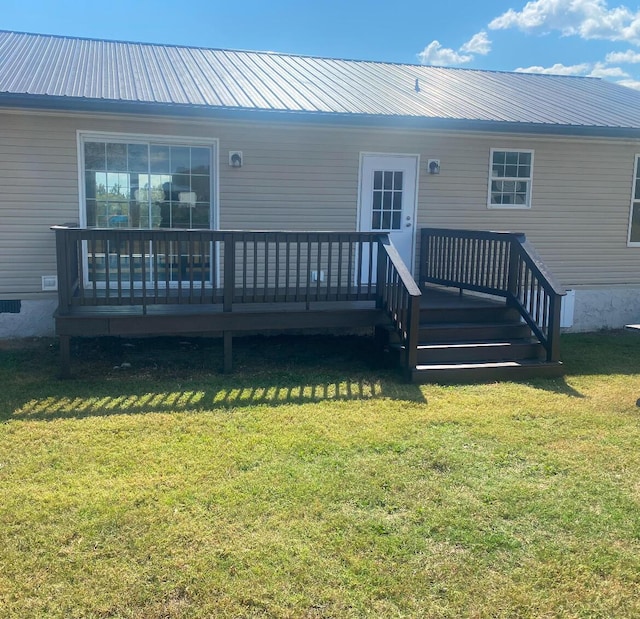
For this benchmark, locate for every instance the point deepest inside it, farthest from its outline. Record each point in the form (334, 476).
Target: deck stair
(469, 338)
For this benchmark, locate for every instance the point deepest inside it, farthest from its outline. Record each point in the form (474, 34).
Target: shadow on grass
(114, 376)
(556, 385)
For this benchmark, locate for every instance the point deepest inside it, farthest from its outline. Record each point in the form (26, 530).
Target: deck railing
(496, 263)
(399, 296)
(150, 267)
(119, 267)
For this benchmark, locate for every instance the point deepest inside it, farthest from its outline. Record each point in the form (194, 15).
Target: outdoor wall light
(433, 166)
(235, 158)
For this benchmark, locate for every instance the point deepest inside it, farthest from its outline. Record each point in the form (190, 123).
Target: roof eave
(78, 104)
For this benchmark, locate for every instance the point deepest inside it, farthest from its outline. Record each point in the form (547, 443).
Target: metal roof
(76, 72)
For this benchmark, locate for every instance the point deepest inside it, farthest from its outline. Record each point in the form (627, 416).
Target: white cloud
(600, 69)
(589, 19)
(435, 54)
(478, 44)
(630, 84)
(628, 57)
(557, 69)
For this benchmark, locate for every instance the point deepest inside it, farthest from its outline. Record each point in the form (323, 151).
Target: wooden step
(484, 372)
(502, 350)
(499, 313)
(451, 332)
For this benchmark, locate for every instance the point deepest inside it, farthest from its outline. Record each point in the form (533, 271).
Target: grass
(312, 483)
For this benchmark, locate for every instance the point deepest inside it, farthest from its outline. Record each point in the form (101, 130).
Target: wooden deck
(211, 319)
(126, 282)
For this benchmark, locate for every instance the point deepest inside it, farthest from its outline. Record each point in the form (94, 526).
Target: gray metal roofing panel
(109, 71)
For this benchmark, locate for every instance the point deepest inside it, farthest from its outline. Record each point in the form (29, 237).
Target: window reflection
(142, 185)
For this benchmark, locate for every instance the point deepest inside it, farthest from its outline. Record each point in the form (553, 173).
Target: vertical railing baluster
(370, 247)
(298, 266)
(229, 249)
(287, 243)
(255, 268)
(277, 265)
(351, 272)
(308, 270)
(360, 258)
(318, 265)
(329, 281)
(340, 269)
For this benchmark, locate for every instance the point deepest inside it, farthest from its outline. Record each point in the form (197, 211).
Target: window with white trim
(634, 215)
(510, 175)
(146, 184)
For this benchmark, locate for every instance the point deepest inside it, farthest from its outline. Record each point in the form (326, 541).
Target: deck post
(512, 275)
(381, 279)
(413, 328)
(553, 334)
(229, 271)
(64, 268)
(65, 356)
(228, 351)
(422, 261)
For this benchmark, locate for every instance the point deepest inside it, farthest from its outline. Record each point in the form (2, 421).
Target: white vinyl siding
(305, 176)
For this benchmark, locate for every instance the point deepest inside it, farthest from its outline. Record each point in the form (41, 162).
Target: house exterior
(91, 131)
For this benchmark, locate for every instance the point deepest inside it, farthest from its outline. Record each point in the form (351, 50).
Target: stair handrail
(541, 311)
(497, 263)
(398, 295)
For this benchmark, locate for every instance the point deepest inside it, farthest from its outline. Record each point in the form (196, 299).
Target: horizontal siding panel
(300, 177)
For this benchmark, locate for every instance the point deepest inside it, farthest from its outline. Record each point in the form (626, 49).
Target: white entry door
(388, 200)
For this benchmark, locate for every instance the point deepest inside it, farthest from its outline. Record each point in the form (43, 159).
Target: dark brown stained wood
(505, 266)
(130, 282)
(228, 350)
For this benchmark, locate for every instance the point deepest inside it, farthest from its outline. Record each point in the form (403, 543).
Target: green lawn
(313, 483)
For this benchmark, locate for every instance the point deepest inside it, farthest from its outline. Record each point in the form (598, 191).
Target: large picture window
(634, 217)
(148, 184)
(510, 178)
(131, 182)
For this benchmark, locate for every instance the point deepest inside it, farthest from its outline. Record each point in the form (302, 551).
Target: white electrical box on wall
(50, 282)
(567, 309)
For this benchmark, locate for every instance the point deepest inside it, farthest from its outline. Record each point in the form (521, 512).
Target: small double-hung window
(510, 177)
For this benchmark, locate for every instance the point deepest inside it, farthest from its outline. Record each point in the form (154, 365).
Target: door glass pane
(377, 200)
(387, 200)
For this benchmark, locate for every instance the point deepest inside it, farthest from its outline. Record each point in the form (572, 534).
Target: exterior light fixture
(235, 158)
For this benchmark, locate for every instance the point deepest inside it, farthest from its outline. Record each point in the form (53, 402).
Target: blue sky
(571, 37)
